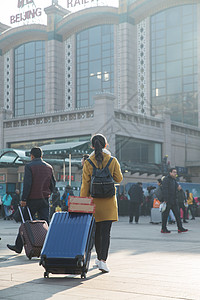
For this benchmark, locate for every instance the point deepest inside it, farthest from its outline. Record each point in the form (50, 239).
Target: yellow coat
(190, 199)
(106, 208)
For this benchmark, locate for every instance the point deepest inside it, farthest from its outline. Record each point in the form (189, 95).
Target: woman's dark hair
(99, 142)
(187, 193)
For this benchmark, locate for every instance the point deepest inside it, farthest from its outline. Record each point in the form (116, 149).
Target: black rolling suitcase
(68, 244)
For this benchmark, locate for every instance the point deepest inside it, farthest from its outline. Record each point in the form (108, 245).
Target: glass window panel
(20, 57)
(95, 83)
(83, 65)
(105, 38)
(20, 112)
(160, 50)
(29, 50)
(39, 74)
(20, 84)
(188, 88)
(174, 52)
(95, 52)
(95, 35)
(29, 65)
(39, 60)
(20, 91)
(174, 69)
(83, 88)
(39, 109)
(39, 53)
(173, 17)
(160, 42)
(38, 102)
(84, 96)
(20, 71)
(188, 53)
(83, 58)
(107, 53)
(39, 67)
(83, 81)
(160, 34)
(30, 107)
(30, 79)
(20, 98)
(83, 73)
(160, 59)
(29, 93)
(94, 67)
(84, 43)
(187, 71)
(188, 79)
(174, 35)
(174, 86)
(160, 67)
(38, 81)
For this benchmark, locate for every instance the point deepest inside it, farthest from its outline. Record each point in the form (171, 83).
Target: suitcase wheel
(83, 275)
(46, 274)
(80, 263)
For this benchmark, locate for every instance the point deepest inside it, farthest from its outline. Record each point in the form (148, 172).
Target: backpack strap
(89, 160)
(108, 164)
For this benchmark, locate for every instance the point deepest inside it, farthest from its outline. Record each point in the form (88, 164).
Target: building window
(30, 79)
(131, 150)
(174, 63)
(95, 63)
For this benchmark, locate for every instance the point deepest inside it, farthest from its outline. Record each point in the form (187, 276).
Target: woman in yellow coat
(106, 210)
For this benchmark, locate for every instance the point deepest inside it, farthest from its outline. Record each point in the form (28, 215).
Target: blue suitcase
(68, 244)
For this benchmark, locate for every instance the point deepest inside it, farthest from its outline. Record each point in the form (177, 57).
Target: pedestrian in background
(170, 188)
(65, 197)
(190, 202)
(136, 199)
(181, 203)
(7, 199)
(16, 199)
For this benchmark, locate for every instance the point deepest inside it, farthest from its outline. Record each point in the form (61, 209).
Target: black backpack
(102, 184)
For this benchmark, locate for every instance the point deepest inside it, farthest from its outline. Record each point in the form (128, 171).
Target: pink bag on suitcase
(33, 234)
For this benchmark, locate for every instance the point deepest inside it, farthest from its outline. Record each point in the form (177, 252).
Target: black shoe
(13, 248)
(165, 231)
(193, 218)
(185, 221)
(182, 230)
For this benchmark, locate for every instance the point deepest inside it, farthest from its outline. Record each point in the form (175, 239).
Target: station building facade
(131, 73)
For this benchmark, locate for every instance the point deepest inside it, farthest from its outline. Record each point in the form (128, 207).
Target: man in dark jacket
(39, 183)
(170, 188)
(136, 198)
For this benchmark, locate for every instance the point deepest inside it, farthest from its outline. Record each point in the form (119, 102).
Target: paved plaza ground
(144, 264)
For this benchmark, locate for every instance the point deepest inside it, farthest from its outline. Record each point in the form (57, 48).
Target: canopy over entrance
(10, 157)
(62, 151)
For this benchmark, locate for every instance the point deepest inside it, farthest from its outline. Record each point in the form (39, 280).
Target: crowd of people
(179, 203)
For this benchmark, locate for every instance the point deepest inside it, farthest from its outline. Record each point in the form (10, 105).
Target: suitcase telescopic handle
(20, 210)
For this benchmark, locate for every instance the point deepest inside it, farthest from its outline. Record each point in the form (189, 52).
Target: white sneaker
(103, 267)
(96, 262)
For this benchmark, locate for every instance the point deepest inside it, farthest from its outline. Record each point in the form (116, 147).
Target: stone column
(167, 145)
(4, 114)
(104, 118)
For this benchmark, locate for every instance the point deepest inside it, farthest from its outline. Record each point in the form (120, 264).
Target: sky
(9, 9)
